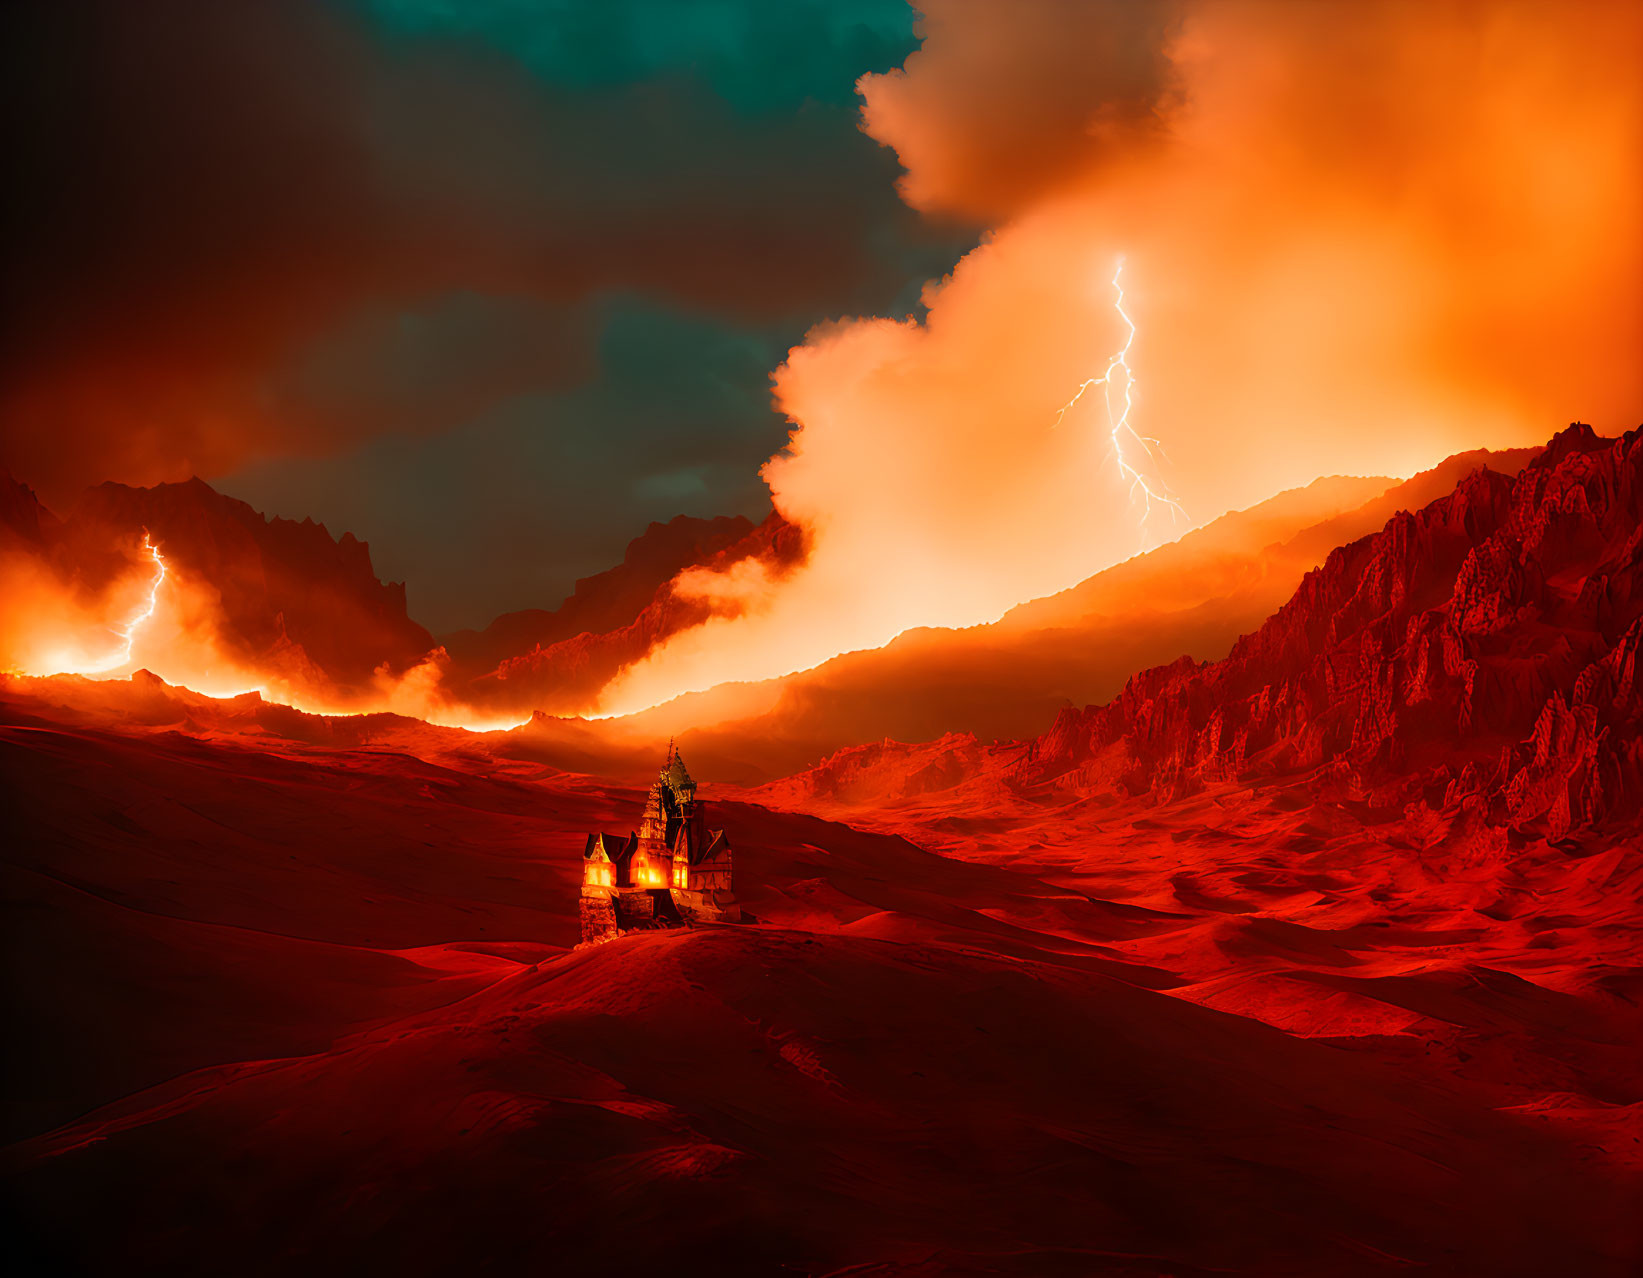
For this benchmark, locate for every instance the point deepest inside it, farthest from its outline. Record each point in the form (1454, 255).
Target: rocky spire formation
(1479, 655)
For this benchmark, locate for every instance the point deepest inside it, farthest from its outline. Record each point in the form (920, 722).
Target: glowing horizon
(1316, 251)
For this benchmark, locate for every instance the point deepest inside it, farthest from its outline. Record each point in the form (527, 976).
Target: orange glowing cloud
(1357, 239)
(47, 625)
(1003, 106)
(149, 616)
(153, 616)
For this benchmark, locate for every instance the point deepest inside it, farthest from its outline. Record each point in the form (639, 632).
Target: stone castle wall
(599, 918)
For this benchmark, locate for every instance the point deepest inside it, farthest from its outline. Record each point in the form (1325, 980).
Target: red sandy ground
(280, 1007)
(1321, 959)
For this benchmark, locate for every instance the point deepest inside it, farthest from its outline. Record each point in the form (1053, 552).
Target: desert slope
(777, 1101)
(305, 1006)
(1402, 816)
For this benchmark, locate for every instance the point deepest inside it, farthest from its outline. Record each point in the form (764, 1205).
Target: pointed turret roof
(675, 774)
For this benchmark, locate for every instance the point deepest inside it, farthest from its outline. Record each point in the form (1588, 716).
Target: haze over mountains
(283, 606)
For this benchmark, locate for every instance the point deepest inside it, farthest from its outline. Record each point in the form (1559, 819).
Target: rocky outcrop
(1481, 650)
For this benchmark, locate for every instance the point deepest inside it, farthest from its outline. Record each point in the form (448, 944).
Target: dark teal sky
(491, 284)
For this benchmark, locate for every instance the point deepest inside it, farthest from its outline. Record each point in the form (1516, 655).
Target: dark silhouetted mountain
(23, 520)
(288, 591)
(564, 676)
(603, 602)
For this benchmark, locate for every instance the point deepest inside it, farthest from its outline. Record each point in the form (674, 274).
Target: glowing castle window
(646, 873)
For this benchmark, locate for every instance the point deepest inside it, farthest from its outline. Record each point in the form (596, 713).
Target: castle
(671, 871)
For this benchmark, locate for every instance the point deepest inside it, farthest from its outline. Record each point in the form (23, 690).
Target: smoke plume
(1358, 238)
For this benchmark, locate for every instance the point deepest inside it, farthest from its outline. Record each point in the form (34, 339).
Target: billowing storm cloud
(1357, 239)
(240, 231)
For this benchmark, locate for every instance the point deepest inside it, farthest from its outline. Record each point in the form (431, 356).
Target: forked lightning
(1131, 450)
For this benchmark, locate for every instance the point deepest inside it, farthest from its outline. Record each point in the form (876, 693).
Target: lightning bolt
(1131, 450)
(128, 633)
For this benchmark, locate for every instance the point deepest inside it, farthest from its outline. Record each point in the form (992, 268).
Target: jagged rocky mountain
(1479, 654)
(1473, 662)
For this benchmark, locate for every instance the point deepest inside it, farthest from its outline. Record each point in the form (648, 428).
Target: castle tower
(671, 871)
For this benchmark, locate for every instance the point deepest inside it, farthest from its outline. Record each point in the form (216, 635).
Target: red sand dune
(1349, 991)
(339, 977)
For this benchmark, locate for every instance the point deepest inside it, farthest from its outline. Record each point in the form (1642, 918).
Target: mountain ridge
(1476, 658)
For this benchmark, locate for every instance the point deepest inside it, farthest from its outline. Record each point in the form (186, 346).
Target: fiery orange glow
(51, 631)
(1365, 249)
(128, 632)
(1369, 237)
(173, 631)
(1149, 493)
(72, 661)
